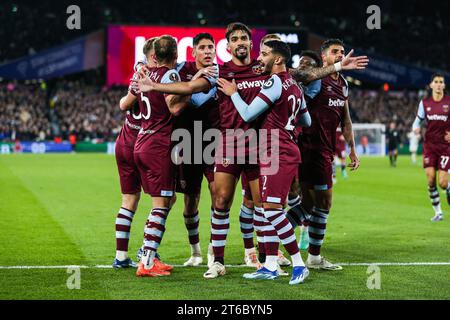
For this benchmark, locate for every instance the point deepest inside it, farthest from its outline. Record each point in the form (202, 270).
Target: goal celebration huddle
(268, 126)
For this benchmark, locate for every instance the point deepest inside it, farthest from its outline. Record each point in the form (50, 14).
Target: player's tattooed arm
(177, 103)
(180, 88)
(348, 63)
(347, 132)
(307, 76)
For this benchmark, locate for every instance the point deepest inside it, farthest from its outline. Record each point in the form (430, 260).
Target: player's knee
(130, 201)
(443, 183)
(223, 200)
(247, 202)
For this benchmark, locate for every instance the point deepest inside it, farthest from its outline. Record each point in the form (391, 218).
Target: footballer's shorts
(436, 156)
(156, 170)
(130, 180)
(316, 170)
(275, 188)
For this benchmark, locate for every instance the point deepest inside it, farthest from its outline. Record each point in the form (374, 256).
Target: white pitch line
(345, 264)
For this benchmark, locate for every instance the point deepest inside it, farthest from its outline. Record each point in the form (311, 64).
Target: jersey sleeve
(198, 99)
(271, 90)
(421, 111)
(171, 76)
(313, 89)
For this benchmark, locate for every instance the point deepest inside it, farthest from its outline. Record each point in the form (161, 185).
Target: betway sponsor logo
(336, 103)
(437, 117)
(250, 84)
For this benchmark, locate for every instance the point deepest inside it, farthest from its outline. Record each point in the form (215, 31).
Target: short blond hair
(269, 36)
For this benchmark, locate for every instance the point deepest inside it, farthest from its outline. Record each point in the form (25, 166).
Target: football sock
(212, 213)
(297, 260)
(246, 223)
(258, 222)
(284, 229)
(271, 263)
(317, 227)
(155, 228)
(147, 258)
(294, 201)
(219, 230)
(192, 222)
(435, 201)
(123, 227)
(297, 215)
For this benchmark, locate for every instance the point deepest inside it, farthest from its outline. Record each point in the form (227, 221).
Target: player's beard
(268, 67)
(241, 56)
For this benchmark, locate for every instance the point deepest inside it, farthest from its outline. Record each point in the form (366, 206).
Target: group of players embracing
(299, 111)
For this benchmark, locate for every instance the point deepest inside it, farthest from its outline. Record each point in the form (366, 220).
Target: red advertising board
(125, 45)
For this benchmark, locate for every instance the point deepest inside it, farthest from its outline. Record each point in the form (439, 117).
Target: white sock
(297, 260)
(437, 209)
(147, 259)
(271, 263)
(121, 255)
(249, 251)
(195, 249)
(313, 258)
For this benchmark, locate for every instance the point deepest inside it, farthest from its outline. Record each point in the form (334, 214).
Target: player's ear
(194, 53)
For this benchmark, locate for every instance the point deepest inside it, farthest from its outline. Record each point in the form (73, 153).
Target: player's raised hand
(227, 87)
(354, 63)
(354, 164)
(210, 71)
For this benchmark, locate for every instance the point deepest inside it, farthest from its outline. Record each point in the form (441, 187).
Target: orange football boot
(161, 265)
(152, 272)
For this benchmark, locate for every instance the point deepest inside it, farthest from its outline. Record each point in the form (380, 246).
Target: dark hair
(148, 46)
(165, 48)
(199, 37)
(235, 26)
(437, 75)
(328, 43)
(313, 55)
(281, 48)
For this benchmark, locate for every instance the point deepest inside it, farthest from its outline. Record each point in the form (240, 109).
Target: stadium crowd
(91, 112)
(422, 36)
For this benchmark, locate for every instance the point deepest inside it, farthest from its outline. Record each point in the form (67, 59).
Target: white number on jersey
(296, 104)
(149, 109)
(444, 161)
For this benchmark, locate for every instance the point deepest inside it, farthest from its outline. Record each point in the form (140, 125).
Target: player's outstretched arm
(419, 118)
(347, 132)
(180, 88)
(247, 112)
(177, 103)
(348, 63)
(127, 102)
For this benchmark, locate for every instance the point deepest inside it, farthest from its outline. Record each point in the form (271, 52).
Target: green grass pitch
(60, 210)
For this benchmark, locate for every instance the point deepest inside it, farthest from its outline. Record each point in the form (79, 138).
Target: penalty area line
(344, 264)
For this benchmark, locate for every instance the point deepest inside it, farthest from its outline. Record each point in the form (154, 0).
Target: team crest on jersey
(174, 77)
(230, 74)
(329, 89)
(183, 184)
(345, 91)
(445, 107)
(189, 77)
(257, 69)
(226, 162)
(428, 109)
